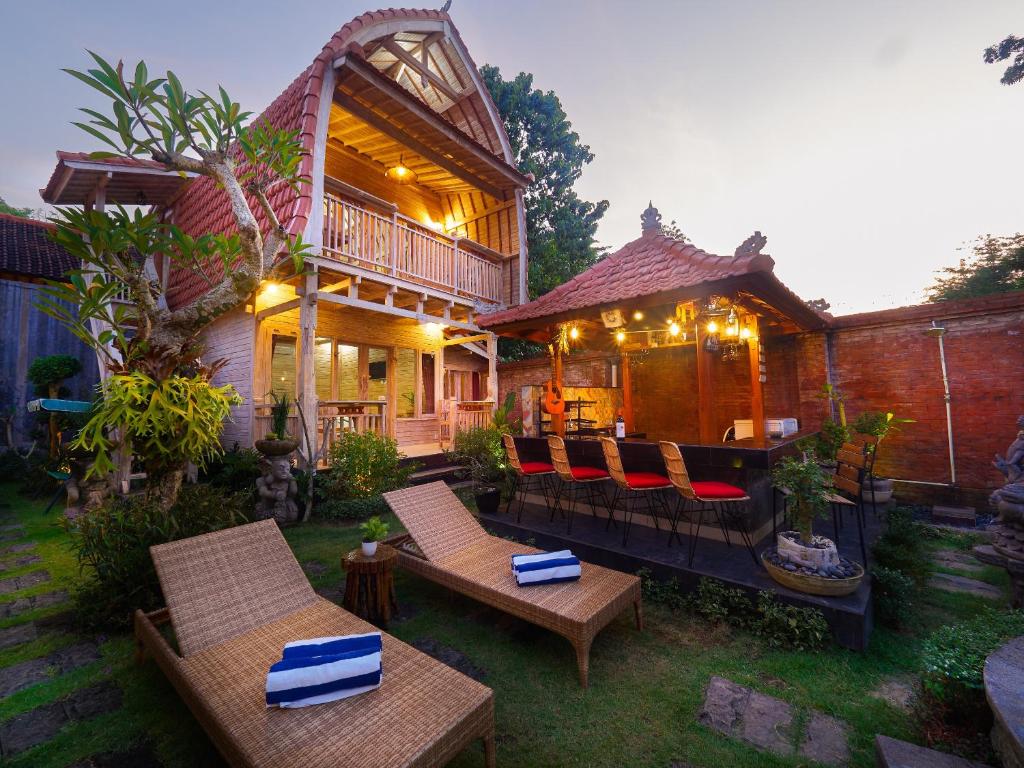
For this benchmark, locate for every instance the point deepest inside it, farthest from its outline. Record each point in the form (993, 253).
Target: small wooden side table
(370, 584)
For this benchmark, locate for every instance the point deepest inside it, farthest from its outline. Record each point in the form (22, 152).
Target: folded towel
(325, 669)
(545, 568)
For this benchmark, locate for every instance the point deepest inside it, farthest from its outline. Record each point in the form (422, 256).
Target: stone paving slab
(826, 740)
(23, 604)
(25, 674)
(957, 560)
(25, 581)
(14, 549)
(41, 724)
(986, 553)
(20, 562)
(965, 585)
(893, 753)
(768, 723)
(18, 634)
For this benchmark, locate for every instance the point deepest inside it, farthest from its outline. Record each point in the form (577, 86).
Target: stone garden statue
(1008, 501)
(277, 491)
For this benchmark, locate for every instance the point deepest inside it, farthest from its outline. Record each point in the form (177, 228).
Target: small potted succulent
(877, 490)
(374, 531)
(801, 560)
(278, 442)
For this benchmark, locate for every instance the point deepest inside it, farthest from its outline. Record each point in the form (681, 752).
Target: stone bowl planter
(275, 447)
(882, 490)
(814, 570)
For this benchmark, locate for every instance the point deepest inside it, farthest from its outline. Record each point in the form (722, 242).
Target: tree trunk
(164, 485)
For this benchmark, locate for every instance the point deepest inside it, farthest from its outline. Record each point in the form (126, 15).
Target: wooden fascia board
(285, 306)
(371, 75)
(396, 311)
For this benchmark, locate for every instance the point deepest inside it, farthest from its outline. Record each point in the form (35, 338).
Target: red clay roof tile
(26, 249)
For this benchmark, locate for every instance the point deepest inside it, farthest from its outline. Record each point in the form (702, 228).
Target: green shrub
(365, 465)
(660, 592)
(112, 545)
(954, 657)
(481, 454)
(236, 470)
(893, 594)
(902, 546)
(786, 626)
(12, 466)
(716, 602)
(374, 529)
(350, 509)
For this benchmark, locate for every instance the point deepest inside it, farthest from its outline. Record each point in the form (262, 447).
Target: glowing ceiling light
(673, 328)
(620, 336)
(745, 333)
(638, 315)
(401, 173)
(712, 327)
(574, 333)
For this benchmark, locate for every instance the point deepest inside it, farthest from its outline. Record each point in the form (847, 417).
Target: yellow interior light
(574, 333)
(638, 315)
(673, 328)
(745, 333)
(620, 336)
(732, 330)
(712, 327)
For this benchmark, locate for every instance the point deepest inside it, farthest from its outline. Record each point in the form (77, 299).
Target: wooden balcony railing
(399, 246)
(459, 416)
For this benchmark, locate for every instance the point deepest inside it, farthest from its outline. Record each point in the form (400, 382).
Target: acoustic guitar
(552, 401)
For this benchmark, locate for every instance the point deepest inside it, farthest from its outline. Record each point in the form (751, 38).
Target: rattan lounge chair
(457, 553)
(234, 598)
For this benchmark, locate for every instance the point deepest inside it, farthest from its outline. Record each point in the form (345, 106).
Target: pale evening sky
(867, 140)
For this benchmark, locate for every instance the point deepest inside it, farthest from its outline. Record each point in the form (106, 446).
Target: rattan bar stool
(526, 476)
(577, 480)
(633, 486)
(698, 497)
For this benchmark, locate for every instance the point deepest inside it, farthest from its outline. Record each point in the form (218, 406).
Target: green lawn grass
(640, 710)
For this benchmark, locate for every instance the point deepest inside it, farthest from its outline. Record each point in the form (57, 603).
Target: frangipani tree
(159, 394)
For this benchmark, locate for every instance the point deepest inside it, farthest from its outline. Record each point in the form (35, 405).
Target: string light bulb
(638, 315)
(574, 333)
(673, 328)
(712, 327)
(620, 336)
(745, 333)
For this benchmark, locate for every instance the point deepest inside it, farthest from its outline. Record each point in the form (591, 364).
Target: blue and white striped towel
(545, 568)
(325, 669)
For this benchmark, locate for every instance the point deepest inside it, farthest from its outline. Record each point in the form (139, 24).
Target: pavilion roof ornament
(752, 245)
(650, 220)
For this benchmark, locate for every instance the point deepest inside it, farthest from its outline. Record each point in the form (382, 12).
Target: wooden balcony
(399, 246)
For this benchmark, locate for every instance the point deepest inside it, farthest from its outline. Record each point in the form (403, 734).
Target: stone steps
(893, 753)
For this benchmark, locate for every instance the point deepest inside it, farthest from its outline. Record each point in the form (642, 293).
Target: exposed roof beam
(481, 214)
(372, 76)
(385, 126)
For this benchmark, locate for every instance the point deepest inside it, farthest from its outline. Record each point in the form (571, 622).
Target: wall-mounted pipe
(937, 331)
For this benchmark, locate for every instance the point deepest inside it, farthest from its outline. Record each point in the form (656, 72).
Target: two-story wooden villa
(415, 212)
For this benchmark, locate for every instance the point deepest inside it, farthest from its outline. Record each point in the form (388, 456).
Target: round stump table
(370, 584)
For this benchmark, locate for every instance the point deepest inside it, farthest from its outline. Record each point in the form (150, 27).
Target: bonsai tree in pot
(482, 458)
(802, 560)
(374, 531)
(878, 490)
(278, 442)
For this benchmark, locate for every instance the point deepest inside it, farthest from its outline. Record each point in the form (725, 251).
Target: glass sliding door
(377, 388)
(348, 372)
(283, 365)
(323, 365)
(405, 375)
(428, 398)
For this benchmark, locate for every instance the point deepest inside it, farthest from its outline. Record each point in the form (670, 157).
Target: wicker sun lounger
(457, 553)
(234, 599)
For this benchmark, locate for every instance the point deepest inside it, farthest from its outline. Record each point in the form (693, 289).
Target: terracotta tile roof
(204, 208)
(649, 265)
(26, 249)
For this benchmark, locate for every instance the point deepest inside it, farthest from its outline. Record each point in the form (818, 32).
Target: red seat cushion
(646, 480)
(712, 489)
(588, 473)
(536, 467)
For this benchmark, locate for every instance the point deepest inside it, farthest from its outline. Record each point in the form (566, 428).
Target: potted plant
(877, 490)
(278, 442)
(482, 458)
(374, 530)
(801, 560)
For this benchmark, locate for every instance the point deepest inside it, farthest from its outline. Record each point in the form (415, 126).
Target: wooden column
(705, 391)
(306, 383)
(756, 387)
(557, 419)
(492, 368)
(392, 404)
(438, 379)
(627, 394)
(363, 362)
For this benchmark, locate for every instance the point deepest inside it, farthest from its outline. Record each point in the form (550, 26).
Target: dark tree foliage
(25, 213)
(672, 230)
(1012, 48)
(819, 304)
(996, 266)
(560, 227)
